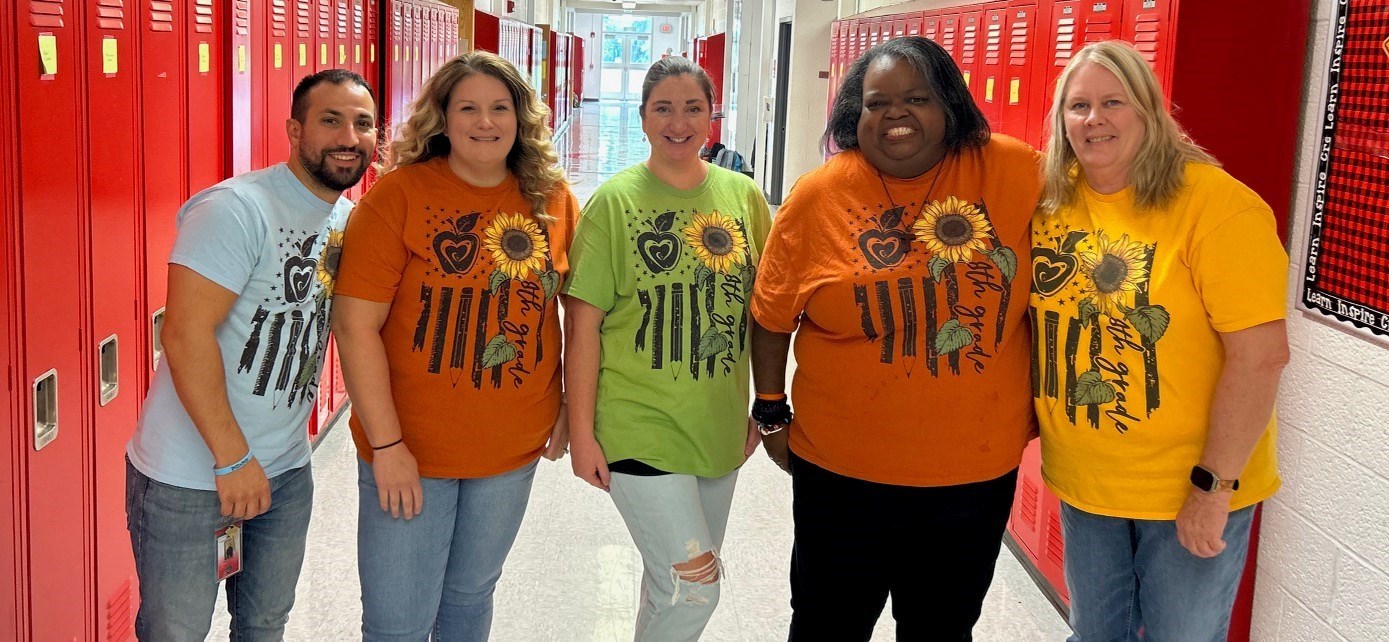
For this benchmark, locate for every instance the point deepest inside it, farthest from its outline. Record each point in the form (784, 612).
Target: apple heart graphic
(457, 249)
(659, 250)
(299, 277)
(884, 248)
(1051, 270)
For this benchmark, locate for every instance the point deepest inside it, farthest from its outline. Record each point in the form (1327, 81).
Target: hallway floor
(574, 574)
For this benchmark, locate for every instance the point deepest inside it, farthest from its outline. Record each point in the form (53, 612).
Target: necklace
(940, 165)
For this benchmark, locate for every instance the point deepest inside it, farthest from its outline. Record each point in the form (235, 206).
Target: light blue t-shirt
(266, 237)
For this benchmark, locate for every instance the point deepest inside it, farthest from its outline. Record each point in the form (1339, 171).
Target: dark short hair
(965, 125)
(299, 107)
(671, 67)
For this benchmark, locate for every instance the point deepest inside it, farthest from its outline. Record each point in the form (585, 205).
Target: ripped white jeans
(677, 523)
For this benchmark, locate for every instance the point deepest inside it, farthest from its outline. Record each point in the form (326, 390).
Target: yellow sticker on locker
(966, 78)
(241, 58)
(323, 53)
(417, 52)
(48, 53)
(1014, 88)
(279, 55)
(357, 54)
(989, 89)
(397, 54)
(342, 54)
(371, 52)
(204, 57)
(110, 58)
(303, 54)
(407, 53)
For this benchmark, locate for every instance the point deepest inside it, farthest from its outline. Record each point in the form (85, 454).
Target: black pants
(932, 549)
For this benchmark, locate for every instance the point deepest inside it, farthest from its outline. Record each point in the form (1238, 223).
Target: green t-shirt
(673, 270)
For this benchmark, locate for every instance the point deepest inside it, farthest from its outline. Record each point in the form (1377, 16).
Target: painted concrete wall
(1324, 556)
(805, 117)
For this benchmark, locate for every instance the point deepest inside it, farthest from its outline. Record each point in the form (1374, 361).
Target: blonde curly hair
(532, 158)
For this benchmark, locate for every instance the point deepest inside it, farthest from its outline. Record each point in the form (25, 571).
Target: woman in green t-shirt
(657, 348)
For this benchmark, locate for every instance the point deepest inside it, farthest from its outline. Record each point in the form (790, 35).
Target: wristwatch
(1209, 482)
(770, 429)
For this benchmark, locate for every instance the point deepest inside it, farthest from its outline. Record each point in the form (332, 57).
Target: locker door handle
(157, 336)
(108, 369)
(45, 409)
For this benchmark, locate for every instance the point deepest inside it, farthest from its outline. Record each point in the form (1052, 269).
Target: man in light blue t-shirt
(218, 479)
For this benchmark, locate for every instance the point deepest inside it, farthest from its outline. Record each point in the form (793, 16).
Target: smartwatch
(1209, 482)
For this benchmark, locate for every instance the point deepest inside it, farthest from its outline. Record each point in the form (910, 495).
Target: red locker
(895, 27)
(577, 65)
(207, 154)
(303, 40)
(338, 385)
(1147, 24)
(323, 34)
(971, 52)
(241, 127)
(52, 453)
(171, 74)
(950, 34)
(989, 92)
(112, 337)
(277, 80)
(861, 29)
(1020, 90)
(372, 35)
(358, 38)
(1074, 24)
(13, 570)
(712, 62)
(342, 34)
(257, 73)
(323, 402)
(914, 24)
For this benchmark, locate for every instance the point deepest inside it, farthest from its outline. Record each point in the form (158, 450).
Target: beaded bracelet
(234, 467)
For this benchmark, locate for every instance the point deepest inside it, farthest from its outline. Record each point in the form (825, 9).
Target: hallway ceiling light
(629, 5)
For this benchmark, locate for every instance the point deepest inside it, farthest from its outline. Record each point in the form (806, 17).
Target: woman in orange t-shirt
(896, 265)
(448, 329)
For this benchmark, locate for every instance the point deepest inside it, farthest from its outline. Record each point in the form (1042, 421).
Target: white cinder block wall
(1324, 552)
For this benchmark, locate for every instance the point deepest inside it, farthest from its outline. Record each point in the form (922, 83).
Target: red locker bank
(709, 55)
(122, 110)
(1010, 54)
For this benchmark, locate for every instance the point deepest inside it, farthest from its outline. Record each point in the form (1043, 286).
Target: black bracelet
(771, 412)
(388, 445)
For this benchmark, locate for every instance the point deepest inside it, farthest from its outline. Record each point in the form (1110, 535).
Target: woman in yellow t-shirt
(1158, 300)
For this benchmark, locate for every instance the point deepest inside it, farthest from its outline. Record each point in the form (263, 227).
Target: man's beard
(335, 179)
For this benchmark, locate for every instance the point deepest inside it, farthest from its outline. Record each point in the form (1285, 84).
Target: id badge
(229, 550)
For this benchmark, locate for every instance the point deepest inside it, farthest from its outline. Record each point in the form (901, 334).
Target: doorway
(778, 125)
(625, 58)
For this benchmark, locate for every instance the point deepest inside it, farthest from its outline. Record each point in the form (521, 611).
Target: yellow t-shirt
(1127, 311)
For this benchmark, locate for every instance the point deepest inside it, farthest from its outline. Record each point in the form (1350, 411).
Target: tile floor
(573, 574)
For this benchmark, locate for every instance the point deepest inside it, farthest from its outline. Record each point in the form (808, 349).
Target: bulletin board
(1346, 276)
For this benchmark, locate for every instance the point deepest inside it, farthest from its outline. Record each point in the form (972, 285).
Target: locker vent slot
(1028, 510)
(303, 23)
(203, 16)
(357, 18)
(1056, 548)
(947, 37)
(967, 48)
(1065, 40)
(110, 14)
(342, 18)
(45, 409)
(279, 19)
(993, 44)
(241, 17)
(325, 19)
(157, 337)
(1017, 44)
(46, 13)
(932, 30)
(120, 615)
(1098, 29)
(110, 371)
(161, 16)
(1146, 35)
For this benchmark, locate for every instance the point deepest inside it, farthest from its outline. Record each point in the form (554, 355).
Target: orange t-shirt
(909, 301)
(473, 336)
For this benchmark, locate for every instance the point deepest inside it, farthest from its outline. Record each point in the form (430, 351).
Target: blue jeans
(436, 573)
(1131, 579)
(172, 534)
(678, 523)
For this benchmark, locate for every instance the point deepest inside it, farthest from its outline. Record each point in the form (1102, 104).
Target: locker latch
(109, 369)
(45, 409)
